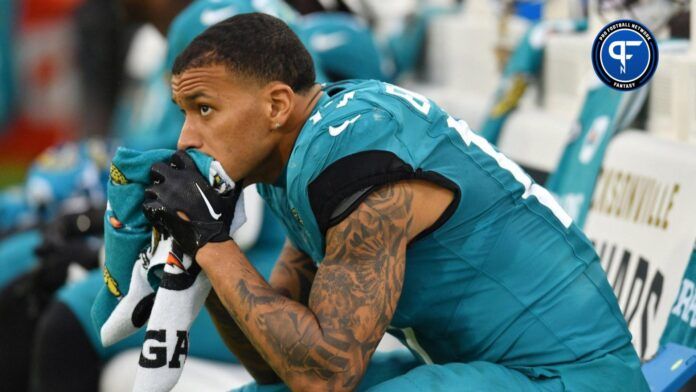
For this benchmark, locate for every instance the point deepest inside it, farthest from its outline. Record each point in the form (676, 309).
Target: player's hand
(182, 203)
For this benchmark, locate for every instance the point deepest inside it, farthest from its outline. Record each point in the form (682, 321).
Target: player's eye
(205, 110)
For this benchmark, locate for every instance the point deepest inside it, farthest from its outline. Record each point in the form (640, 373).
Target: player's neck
(300, 115)
(303, 108)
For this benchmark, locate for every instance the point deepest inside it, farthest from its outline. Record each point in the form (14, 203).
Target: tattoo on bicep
(353, 298)
(364, 269)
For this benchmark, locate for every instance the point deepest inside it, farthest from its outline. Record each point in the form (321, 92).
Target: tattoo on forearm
(237, 342)
(352, 300)
(293, 274)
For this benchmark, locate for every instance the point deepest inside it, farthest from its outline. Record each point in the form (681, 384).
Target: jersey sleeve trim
(343, 185)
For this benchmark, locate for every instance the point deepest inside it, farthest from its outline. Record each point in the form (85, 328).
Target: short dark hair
(254, 45)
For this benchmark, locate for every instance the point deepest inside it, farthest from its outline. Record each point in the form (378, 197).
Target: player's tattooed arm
(327, 344)
(237, 342)
(292, 276)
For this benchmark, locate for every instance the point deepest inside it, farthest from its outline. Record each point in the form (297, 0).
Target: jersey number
(530, 188)
(421, 103)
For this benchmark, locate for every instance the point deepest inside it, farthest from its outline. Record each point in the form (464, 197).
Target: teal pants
(400, 372)
(383, 366)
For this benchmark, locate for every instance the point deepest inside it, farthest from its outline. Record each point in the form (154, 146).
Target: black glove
(183, 204)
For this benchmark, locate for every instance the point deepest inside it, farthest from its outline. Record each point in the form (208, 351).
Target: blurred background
(80, 77)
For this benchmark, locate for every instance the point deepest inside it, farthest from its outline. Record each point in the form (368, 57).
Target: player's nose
(188, 138)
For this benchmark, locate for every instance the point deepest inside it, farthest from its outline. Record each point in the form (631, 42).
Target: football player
(398, 218)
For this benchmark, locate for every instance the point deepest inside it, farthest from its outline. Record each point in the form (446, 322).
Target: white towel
(179, 298)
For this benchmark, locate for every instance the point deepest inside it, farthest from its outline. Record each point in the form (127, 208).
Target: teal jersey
(503, 276)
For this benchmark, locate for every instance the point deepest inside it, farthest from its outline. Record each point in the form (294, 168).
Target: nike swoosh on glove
(183, 204)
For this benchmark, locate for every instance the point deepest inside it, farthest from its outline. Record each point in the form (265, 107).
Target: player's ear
(282, 101)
